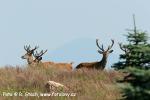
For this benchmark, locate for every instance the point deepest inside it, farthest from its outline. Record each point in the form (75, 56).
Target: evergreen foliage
(136, 52)
(137, 85)
(136, 63)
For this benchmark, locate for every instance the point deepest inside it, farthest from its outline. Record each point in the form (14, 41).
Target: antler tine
(36, 54)
(109, 47)
(45, 51)
(101, 48)
(36, 47)
(123, 48)
(41, 53)
(27, 48)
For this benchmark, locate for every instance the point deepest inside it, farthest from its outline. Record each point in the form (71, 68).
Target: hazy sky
(52, 24)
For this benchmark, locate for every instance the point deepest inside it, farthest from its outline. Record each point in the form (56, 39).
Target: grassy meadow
(87, 84)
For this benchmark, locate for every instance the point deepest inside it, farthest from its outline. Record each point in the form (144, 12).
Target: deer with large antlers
(28, 56)
(34, 59)
(101, 64)
(61, 66)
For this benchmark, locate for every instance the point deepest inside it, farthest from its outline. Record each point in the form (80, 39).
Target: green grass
(87, 84)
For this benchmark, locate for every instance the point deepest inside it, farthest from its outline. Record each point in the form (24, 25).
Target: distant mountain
(79, 50)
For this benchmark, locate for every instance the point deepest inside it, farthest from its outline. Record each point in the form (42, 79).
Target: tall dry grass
(87, 84)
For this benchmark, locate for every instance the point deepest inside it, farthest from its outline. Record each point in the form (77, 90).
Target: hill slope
(88, 85)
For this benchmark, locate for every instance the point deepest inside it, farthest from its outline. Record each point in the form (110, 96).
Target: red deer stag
(28, 56)
(61, 66)
(101, 64)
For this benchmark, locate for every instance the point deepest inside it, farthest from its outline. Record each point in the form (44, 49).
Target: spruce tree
(136, 52)
(136, 84)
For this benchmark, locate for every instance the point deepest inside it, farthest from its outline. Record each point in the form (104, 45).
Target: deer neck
(103, 62)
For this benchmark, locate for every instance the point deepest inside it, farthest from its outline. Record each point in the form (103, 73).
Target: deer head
(104, 52)
(29, 53)
(124, 49)
(38, 56)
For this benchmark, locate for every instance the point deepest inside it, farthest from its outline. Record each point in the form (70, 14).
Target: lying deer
(100, 64)
(36, 60)
(61, 66)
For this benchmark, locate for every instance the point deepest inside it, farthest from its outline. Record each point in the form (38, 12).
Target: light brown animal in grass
(60, 66)
(100, 64)
(36, 60)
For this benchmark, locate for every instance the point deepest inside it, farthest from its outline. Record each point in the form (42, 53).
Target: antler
(35, 48)
(27, 48)
(101, 48)
(109, 47)
(123, 48)
(41, 53)
(37, 55)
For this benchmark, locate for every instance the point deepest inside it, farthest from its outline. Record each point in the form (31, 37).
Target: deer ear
(32, 51)
(100, 52)
(111, 51)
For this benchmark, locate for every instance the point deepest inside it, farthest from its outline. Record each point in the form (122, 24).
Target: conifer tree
(136, 52)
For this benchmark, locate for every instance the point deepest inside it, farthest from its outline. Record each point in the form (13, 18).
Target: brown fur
(34, 62)
(60, 66)
(100, 64)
